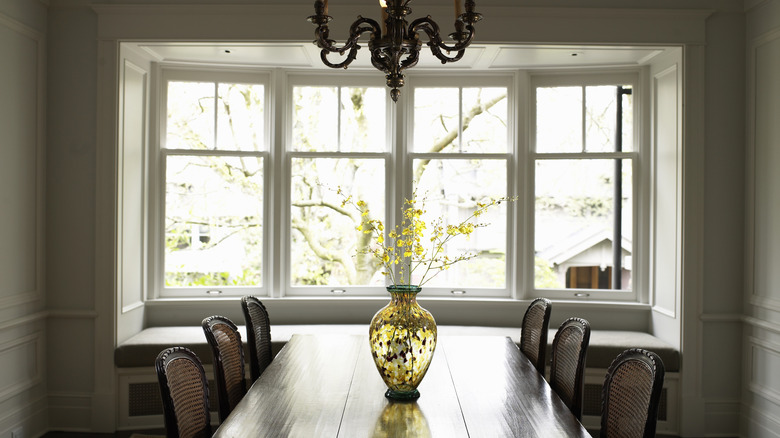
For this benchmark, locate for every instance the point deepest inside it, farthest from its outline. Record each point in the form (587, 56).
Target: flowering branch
(404, 248)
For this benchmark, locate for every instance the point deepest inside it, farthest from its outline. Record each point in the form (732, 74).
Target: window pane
(484, 120)
(324, 236)
(559, 119)
(452, 188)
(600, 111)
(483, 123)
(240, 117)
(436, 120)
(315, 119)
(213, 223)
(363, 120)
(190, 115)
(358, 124)
(574, 222)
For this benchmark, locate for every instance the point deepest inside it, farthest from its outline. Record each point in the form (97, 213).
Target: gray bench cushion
(141, 349)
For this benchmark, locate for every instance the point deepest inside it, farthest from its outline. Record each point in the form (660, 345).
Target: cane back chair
(567, 371)
(258, 333)
(185, 393)
(631, 393)
(533, 337)
(225, 341)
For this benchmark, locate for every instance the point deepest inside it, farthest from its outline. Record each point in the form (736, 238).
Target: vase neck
(404, 293)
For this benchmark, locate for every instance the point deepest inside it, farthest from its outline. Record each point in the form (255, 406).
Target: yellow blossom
(402, 245)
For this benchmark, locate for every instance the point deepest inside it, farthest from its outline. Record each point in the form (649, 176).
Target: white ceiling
(477, 57)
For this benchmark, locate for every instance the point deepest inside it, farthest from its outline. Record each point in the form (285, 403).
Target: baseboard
(70, 412)
(721, 418)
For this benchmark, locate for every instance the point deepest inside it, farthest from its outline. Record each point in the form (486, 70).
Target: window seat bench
(141, 349)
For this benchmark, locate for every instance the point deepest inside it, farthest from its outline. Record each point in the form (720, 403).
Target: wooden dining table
(328, 386)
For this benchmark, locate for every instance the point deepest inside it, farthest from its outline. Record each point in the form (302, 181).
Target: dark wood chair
(185, 393)
(533, 338)
(225, 341)
(258, 333)
(631, 393)
(567, 372)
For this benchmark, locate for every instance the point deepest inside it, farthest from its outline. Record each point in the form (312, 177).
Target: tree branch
(453, 133)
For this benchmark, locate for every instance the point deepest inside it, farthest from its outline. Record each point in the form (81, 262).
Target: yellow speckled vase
(402, 337)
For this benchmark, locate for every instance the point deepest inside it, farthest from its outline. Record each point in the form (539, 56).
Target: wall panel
(767, 180)
(22, 127)
(22, 363)
(21, 88)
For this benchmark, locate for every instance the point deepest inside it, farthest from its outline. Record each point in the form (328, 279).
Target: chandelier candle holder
(395, 46)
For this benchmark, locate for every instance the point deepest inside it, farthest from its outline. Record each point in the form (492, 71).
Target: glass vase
(402, 337)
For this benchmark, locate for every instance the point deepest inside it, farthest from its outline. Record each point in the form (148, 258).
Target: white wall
(81, 153)
(761, 339)
(22, 289)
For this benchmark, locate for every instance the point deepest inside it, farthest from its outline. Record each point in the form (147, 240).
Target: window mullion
(583, 121)
(216, 114)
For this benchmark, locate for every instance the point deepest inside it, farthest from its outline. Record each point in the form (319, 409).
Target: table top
(328, 386)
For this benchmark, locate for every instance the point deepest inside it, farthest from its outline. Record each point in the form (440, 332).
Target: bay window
(233, 146)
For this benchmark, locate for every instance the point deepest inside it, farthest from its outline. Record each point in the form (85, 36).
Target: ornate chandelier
(396, 46)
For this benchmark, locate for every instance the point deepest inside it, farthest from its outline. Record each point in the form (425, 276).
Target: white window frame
(399, 157)
(166, 73)
(638, 156)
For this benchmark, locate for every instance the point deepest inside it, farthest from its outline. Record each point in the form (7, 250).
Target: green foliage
(544, 276)
(576, 206)
(192, 279)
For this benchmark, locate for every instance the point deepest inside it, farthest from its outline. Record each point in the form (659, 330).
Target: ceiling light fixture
(396, 46)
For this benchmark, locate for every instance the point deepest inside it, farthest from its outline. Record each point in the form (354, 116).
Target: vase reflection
(401, 419)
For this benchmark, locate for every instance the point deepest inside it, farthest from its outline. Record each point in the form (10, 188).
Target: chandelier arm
(355, 32)
(344, 64)
(427, 25)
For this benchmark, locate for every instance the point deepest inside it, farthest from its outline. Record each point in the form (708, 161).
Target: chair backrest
(185, 393)
(567, 371)
(630, 396)
(225, 340)
(258, 333)
(533, 338)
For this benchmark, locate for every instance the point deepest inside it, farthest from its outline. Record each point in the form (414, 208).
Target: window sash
(608, 78)
(159, 169)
